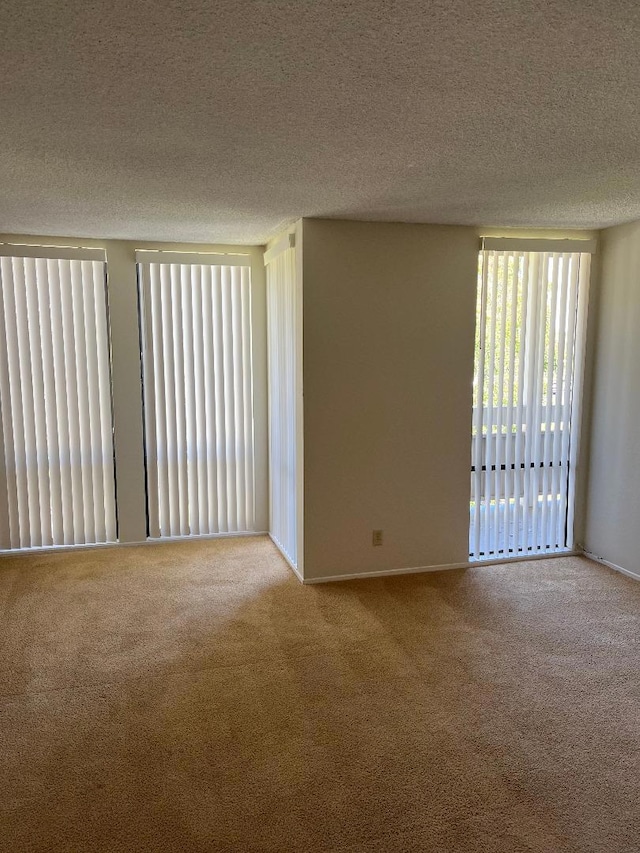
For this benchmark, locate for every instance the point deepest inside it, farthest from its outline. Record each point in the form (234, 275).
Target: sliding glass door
(57, 484)
(196, 337)
(530, 328)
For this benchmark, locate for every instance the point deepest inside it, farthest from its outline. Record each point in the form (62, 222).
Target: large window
(527, 387)
(196, 341)
(56, 443)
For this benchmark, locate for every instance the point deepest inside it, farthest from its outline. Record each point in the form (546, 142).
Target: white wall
(389, 314)
(126, 382)
(613, 490)
(284, 345)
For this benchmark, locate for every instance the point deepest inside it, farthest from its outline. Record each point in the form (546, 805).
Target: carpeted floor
(196, 697)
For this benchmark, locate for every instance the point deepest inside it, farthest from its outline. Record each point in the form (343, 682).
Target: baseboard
(60, 549)
(198, 537)
(293, 568)
(611, 565)
(446, 567)
(387, 573)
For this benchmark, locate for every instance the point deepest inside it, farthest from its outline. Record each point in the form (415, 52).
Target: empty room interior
(319, 426)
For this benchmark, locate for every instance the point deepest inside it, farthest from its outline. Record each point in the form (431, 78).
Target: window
(527, 387)
(57, 486)
(196, 344)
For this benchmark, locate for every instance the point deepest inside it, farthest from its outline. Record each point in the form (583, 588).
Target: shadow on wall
(195, 696)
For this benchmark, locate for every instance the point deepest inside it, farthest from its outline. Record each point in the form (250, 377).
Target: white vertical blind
(57, 482)
(198, 393)
(531, 318)
(282, 347)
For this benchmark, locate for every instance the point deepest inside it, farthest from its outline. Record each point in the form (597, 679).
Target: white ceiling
(223, 121)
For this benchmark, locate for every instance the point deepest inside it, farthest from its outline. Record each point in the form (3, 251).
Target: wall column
(127, 391)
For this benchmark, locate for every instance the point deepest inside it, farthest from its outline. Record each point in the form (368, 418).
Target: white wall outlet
(377, 537)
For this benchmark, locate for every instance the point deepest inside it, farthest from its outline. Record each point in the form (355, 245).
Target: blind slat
(229, 398)
(547, 391)
(220, 401)
(192, 512)
(165, 346)
(44, 283)
(41, 519)
(106, 510)
(559, 376)
(86, 460)
(21, 414)
(11, 530)
(501, 331)
(520, 481)
(156, 439)
(63, 460)
(199, 436)
(238, 389)
(575, 404)
(510, 390)
(247, 372)
(567, 391)
(211, 395)
(71, 387)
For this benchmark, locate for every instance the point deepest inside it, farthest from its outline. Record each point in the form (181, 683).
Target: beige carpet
(195, 697)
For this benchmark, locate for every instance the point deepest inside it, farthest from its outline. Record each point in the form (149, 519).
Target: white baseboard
(59, 549)
(469, 564)
(611, 565)
(387, 573)
(198, 537)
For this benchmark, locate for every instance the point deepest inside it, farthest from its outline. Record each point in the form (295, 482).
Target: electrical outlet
(377, 537)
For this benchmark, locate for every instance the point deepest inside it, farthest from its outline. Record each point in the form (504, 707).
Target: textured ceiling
(223, 121)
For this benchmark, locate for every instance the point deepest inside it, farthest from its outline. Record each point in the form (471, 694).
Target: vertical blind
(531, 317)
(282, 347)
(56, 431)
(198, 393)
